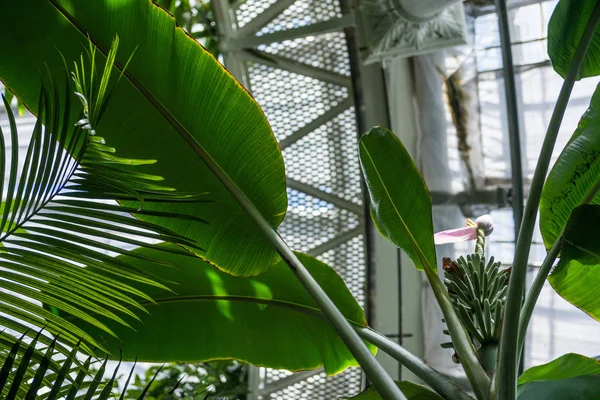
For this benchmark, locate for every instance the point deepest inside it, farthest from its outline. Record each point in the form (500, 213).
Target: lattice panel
(291, 100)
(310, 221)
(321, 387)
(303, 13)
(324, 157)
(327, 51)
(349, 261)
(327, 158)
(250, 9)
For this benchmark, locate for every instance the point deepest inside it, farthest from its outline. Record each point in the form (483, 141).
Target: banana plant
(206, 130)
(176, 103)
(483, 305)
(232, 271)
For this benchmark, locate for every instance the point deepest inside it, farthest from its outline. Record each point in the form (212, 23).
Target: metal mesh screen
(302, 13)
(291, 100)
(312, 222)
(327, 158)
(310, 108)
(331, 51)
(320, 387)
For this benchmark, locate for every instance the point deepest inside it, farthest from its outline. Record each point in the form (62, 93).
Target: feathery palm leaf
(26, 377)
(61, 224)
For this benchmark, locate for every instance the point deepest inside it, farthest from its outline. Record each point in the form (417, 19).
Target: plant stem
(438, 382)
(461, 341)
(384, 384)
(480, 242)
(507, 367)
(488, 352)
(543, 273)
(535, 290)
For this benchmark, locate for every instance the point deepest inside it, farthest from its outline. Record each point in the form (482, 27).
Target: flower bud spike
(482, 275)
(476, 286)
(479, 315)
(485, 285)
(498, 320)
(487, 312)
(500, 295)
(469, 324)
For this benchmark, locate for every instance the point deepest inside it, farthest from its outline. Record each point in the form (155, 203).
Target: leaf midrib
(420, 254)
(35, 212)
(210, 162)
(302, 308)
(581, 248)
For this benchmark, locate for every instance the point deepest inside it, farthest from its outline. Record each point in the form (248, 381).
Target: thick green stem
(488, 352)
(384, 384)
(535, 290)
(507, 366)
(480, 242)
(461, 341)
(374, 371)
(438, 382)
(543, 273)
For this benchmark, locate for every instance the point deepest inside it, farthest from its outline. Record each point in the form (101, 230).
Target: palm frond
(24, 376)
(61, 223)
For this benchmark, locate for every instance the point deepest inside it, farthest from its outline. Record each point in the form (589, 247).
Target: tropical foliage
(116, 258)
(61, 213)
(28, 373)
(198, 19)
(215, 380)
(161, 214)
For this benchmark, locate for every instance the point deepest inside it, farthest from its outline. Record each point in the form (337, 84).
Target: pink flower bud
(485, 223)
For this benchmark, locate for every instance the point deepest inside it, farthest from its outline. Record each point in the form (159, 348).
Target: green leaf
(35, 375)
(9, 95)
(569, 377)
(43, 245)
(565, 30)
(575, 176)
(400, 200)
(577, 276)
(268, 320)
(401, 210)
(412, 391)
(173, 101)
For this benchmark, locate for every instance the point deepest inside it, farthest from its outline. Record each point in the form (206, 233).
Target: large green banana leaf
(401, 210)
(569, 377)
(577, 276)
(268, 320)
(575, 177)
(565, 30)
(411, 390)
(400, 200)
(174, 101)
